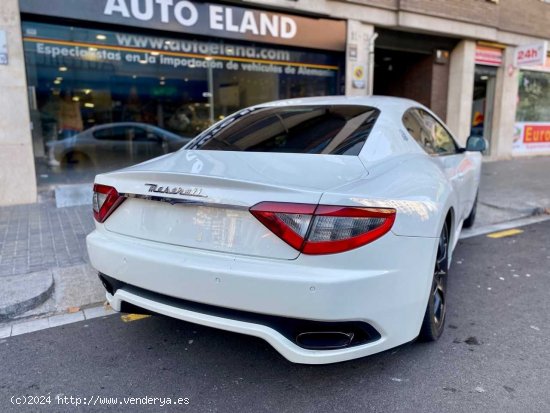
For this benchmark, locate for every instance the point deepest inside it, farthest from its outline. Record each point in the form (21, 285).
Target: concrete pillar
(461, 89)
(357, 58)
(504, 117)
(17, 175)
(439, 89)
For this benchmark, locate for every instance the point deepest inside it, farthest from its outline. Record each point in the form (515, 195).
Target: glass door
(483, 102)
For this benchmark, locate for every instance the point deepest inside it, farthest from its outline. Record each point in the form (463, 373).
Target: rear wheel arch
(433, 322)
(471, 218)
(450, 220)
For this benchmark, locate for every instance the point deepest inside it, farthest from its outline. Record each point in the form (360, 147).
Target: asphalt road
(493, 357)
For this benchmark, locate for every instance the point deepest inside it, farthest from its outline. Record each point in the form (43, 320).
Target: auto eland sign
(201, 18)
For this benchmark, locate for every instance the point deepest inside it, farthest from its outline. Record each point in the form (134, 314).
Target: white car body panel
(213, 251)
(308, 287)
(224, 224)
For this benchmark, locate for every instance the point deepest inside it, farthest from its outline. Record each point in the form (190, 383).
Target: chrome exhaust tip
(324, 340)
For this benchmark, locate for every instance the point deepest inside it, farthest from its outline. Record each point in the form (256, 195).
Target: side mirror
(476, 144)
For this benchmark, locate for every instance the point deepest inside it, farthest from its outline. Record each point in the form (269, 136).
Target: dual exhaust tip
(324, 340)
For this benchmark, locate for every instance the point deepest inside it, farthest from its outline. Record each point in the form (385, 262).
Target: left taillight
(324, 229)
(105, 200)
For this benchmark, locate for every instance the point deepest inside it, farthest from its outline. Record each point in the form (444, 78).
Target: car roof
(379, 102)
(127, 124)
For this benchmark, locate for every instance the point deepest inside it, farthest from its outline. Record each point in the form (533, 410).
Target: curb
(526, 212)
(55, 320)
(521, 222)
(43, 282)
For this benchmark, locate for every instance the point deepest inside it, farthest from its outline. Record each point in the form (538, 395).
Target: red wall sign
(488, 56)
(536, 134)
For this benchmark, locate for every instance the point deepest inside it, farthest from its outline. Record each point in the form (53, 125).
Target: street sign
(531, 54)
(359, 77)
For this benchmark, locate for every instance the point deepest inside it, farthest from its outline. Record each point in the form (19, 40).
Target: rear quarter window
(319, 129)
(429, 132)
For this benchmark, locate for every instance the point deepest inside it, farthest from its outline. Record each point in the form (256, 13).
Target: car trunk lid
(204, 197)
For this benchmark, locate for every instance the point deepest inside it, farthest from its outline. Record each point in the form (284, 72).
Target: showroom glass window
(83, 79)
(533, 97)
(532, 126)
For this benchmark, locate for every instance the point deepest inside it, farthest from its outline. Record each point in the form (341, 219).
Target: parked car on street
(325, 226)
(112, 143)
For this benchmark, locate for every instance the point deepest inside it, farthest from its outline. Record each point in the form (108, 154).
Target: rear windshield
(319, 129)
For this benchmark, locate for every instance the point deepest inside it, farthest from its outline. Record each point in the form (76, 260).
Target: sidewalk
(39, 237)
(45, 269)
(513, 189)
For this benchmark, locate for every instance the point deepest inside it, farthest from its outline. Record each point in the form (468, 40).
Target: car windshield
(319, 129)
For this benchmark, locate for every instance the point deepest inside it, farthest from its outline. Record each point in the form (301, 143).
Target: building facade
(93, 86)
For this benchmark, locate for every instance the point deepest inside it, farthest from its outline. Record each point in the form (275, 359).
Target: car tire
(469, 222)
(436, 310)
(76, 160)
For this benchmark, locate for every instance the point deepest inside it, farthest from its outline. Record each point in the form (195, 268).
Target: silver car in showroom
(113, 143)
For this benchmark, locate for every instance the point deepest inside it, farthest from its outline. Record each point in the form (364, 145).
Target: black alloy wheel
(76, 160)
(436, 310)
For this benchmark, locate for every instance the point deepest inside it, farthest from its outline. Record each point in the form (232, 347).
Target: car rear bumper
(385, 286)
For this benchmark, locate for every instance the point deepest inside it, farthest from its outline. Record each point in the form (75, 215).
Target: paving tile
(95, 312)
(5, 331)
(67, 318)
(29, 326)
(36, 237)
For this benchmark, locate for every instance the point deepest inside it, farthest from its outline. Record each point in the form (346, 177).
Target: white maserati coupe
(325, 226)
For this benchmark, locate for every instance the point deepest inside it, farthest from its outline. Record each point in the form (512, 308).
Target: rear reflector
(324, 229)
(105, 200)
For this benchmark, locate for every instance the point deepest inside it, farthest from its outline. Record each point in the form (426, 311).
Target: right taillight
(105, 200)
(324, 229)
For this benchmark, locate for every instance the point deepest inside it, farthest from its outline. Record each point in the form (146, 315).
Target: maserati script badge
(176, 190)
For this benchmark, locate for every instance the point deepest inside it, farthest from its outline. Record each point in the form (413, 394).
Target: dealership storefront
(109, 83)
(93, 91)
